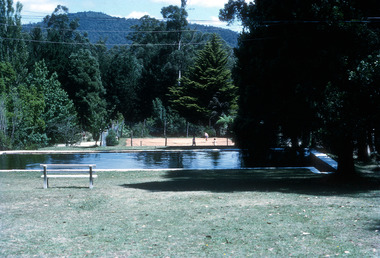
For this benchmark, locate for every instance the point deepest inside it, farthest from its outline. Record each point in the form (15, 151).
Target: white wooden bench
(68, 171)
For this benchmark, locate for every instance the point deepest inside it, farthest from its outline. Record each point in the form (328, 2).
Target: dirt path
(217, 141)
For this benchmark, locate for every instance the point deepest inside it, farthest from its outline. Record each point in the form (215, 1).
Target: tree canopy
(294, 59)
(207, 91)
(55, 84)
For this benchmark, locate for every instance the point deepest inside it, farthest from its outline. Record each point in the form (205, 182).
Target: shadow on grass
(375, 226)
(286, 181)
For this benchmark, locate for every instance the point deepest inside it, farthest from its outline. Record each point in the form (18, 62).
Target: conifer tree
(206, 92)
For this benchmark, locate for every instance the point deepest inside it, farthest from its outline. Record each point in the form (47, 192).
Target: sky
(200, 11)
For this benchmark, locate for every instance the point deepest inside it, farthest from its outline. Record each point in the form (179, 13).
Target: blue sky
(200, 11)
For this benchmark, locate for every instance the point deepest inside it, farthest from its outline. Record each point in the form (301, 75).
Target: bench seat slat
(67, 171)
(67, 165)
(68, 176)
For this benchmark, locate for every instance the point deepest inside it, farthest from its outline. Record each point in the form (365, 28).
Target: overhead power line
(97, 44)
(110, 18)
(105, 31)
(113, 18)
(117, 31)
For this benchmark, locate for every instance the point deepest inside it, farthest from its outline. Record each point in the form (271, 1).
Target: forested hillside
(63, 77)
(100, 26)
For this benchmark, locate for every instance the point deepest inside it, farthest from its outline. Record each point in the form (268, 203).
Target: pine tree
(207, 82)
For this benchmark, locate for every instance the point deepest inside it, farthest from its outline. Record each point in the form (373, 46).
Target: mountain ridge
(101, 26)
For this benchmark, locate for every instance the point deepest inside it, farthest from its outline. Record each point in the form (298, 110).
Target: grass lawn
(189, 214)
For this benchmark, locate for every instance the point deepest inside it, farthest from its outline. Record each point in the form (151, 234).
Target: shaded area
(280, 180)
(375, 226)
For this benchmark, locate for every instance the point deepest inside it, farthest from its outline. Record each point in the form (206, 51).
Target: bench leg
(91, 179)
(46, 180)
(46, 183)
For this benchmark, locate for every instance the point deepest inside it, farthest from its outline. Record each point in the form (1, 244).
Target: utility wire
(103, 31)
(115, 31)
(96, 44)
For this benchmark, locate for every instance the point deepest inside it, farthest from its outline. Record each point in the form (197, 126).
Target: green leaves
(84, 76)
(208, 81)
(121, 81)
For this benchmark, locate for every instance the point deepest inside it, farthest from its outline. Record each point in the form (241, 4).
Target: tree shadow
(375, 226)
(300, 181)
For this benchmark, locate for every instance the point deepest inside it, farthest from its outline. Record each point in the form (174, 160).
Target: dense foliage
(206, 92)
(307, 70)
(56, 86)
(116, 31)
(111, 138)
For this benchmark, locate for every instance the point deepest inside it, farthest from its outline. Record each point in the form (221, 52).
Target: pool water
(199, 159)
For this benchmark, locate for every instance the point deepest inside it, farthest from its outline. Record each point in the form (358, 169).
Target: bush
(111, 139)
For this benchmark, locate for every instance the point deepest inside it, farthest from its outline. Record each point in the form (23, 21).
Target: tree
(4, 140)
(356, 107)
(7, 95)
(176, 22)
(111, 138)
(31, 127)
(121, 81)
(164, 49)
(12, 46)
(21, 109)
(153, 53)
(67, 40)
(366, 94)
(166, 121)
(207, 88)
(225, 122)
(292, 56)
(88, 91)
(59, 114)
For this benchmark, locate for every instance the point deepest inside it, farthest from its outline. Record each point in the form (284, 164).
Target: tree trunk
(295, 144)
(371, 140)
(346, 167)
(363, 154)
(376, 138)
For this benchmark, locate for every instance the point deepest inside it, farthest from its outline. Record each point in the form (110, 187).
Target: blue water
(204, 159)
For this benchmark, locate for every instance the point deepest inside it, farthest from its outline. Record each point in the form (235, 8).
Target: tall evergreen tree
(207, 85)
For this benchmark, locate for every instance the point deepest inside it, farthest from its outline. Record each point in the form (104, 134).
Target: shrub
(111, 139)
